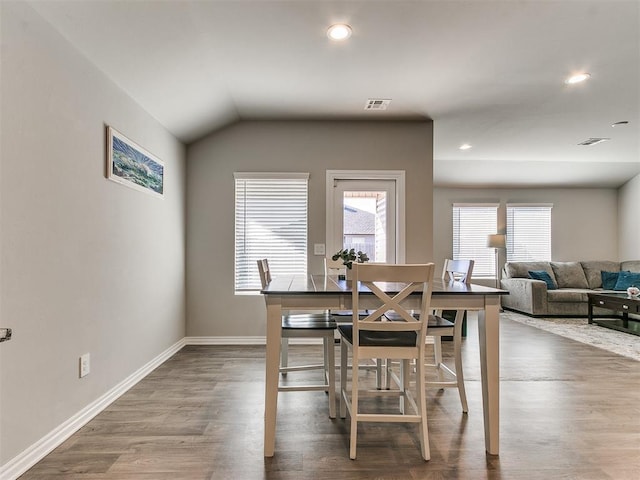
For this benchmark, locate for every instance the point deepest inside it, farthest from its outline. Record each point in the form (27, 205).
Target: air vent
(377, 104)
(593, 141)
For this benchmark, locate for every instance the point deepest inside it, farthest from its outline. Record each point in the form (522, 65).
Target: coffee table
(618, 302)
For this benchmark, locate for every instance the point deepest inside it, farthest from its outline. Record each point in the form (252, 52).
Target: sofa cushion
(521, 269)
(568, 295)
(569, 275)
(592, 270)
(627, 279)
(630, 265)
(609, 279)
(544, 276)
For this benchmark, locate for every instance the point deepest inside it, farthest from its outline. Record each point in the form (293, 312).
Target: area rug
(578, 329)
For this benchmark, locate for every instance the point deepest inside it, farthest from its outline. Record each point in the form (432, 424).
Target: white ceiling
(489, 73)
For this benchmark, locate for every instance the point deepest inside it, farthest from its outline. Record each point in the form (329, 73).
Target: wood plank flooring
(568, 411)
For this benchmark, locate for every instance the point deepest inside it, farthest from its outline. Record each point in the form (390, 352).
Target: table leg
(489, 339)
(272, 364)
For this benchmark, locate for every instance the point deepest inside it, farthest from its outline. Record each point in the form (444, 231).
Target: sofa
(572, 282)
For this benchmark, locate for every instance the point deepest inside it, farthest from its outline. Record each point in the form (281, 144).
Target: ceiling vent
(377, 104)
(593, 141)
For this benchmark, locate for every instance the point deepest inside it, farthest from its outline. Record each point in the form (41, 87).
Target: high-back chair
(457, 270)
(334, 267)
(374, 336)
(307, 325)
(453, 271)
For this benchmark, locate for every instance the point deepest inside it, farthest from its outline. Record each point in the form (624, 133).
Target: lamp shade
(498, 240)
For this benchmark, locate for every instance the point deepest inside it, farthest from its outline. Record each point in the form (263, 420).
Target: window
(528, 232)
(472, 224)
(271, 222)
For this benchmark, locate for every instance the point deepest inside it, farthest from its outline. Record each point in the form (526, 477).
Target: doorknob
(5, 334)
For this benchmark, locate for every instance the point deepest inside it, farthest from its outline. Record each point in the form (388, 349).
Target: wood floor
(568, 411)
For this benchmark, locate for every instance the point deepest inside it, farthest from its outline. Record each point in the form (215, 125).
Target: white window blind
(528, 232)
(271, 223)
(472, 224)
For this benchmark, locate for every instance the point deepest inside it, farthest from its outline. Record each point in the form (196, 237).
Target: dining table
(322, 292)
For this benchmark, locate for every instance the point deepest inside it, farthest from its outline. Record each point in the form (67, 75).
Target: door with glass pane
(365, 218)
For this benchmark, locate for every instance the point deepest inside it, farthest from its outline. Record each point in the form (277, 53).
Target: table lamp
(497, 241)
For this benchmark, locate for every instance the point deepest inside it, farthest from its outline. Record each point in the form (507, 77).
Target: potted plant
(348, 256)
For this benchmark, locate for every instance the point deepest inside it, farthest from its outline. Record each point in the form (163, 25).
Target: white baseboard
(246, 341)
(225, 340)
(33, 454)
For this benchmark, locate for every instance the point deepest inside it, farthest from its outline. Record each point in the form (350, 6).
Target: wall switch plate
(318, 249)
(85, 365)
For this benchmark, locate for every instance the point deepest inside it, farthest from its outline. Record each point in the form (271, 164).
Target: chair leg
(422, 405)
(330, 373)
(284, 355)
(325, 363)
(343, 379)
(387, 374)
(405, 369)
(437, 353)
(354, 407)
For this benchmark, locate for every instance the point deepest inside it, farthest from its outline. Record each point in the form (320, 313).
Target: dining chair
(307, 325)
(439, 327)
(374, 336)
(337, 268)
(334, 267)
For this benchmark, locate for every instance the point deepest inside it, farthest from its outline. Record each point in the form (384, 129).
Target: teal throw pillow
(544, 276)
(627, 279)
(609, 280)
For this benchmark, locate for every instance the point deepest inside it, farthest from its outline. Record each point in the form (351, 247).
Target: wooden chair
(307, 325)
(374, 336)
(336, 268)
(438, 327)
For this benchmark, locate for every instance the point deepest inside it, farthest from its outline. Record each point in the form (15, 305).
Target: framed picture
(131, 165)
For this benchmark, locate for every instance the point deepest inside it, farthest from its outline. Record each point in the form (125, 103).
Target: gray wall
(629, 216)
(314, 147)
(87, 264)
(584, 222)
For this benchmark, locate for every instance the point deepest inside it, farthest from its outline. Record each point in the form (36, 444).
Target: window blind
(270, 222)
(528, 232)
(472, 224)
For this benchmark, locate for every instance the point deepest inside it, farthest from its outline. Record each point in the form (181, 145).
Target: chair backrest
(457, 270)
(334, 267)
(400, 281)
(265, 273)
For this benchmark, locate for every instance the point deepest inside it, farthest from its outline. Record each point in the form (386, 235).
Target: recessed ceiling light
(339, 31)
(464, 146)
(580, 77)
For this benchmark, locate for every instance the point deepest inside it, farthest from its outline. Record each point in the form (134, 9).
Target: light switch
(318, 249)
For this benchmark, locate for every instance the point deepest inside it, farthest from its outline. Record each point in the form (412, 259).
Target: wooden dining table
(320, 292)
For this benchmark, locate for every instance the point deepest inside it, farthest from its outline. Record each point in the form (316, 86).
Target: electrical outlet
(318, 249)
(85, 365)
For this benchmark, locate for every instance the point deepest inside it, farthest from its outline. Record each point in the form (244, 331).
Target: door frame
(396, 175)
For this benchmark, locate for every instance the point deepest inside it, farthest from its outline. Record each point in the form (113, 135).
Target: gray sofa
(573, 280)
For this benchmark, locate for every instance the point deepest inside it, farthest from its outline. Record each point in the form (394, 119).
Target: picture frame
(131, 165)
